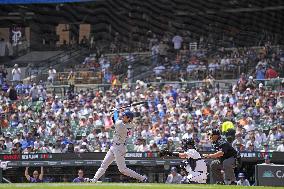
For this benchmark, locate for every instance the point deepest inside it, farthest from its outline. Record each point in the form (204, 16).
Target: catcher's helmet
(188, 144)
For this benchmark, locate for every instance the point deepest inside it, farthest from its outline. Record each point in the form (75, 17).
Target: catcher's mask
(188, 144)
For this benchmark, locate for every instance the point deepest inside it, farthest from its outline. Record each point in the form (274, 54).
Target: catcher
(194, 165)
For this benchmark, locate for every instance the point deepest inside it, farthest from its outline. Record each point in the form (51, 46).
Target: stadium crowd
(34, 120)
(250, 114)
(190, 60)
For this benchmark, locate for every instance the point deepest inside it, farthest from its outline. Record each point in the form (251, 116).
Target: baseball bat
(132, 104)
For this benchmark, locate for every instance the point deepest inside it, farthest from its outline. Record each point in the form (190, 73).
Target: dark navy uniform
(227, 162)
(226, 147)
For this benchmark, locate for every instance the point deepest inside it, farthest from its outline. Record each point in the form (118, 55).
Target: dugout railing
(276, 84)
(61, 166)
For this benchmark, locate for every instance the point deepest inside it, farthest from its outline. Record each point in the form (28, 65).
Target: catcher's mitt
(165, 152)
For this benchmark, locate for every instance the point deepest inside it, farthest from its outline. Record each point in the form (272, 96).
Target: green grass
(124, 186)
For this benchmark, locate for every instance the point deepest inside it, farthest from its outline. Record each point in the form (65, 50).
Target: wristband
(175, 154)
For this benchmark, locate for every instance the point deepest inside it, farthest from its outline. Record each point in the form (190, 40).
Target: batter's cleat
(94, 180)
(145, 180)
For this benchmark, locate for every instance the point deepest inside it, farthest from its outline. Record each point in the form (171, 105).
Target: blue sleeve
(115, 116)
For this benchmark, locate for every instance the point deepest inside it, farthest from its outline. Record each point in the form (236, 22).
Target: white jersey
(121, 130)
(200, 164)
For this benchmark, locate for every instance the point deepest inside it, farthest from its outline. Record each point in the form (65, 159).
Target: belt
(120, 144)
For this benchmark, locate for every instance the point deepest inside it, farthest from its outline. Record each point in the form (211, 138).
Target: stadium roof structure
(41, 1)
(243, 18)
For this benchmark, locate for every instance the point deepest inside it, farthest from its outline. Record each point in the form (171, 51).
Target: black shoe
(220, 183)
(145, 180)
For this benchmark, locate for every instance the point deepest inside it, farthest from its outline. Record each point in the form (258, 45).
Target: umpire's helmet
(188, 144)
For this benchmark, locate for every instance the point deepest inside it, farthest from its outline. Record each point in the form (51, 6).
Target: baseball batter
(118, 150)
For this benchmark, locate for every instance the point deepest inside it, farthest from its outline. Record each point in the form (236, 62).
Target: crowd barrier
(272, 84)
(57, 165)
(94, 158)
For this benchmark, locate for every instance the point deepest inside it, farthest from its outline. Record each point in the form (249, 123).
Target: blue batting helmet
(128, 113)
(241, 175)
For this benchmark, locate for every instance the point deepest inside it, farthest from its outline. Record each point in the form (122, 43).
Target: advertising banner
(269, 175)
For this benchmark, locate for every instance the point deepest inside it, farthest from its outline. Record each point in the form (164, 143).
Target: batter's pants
(117, 153)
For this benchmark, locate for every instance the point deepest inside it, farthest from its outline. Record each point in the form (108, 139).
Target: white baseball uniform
(117, 152)
(199, 174)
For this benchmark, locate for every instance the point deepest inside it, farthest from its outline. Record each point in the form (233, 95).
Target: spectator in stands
(51, 75)
(238, 140)
(174, 177)
(3, 147)
(80, 177)
(137, 144)
(251, 84)
(16, 74)
(260, 73)
(177, 41)
(163, 51)
(280, 102)
(227, 125)
(242, 82)
(159, 70)
(42, 94)
(242, 180)
(260, 136)
(69, 148)
(3, 121)
(271, 73)
(143, 147)
(34, 93)
(84, 148)
(57, 147)
(191, 68)
(267, 160)
(84, 41)
(3, 75)
(154, 147)
(155, 53)
(170, 145)
(28, 150)
(280, 148)
(17, 148)
(71, 81)
(8, 141)
(274, 134)
(36, 176)
(152, 38)
(12, 93)
(44, 148)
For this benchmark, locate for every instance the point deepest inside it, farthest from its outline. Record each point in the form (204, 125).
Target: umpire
(225, 159)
